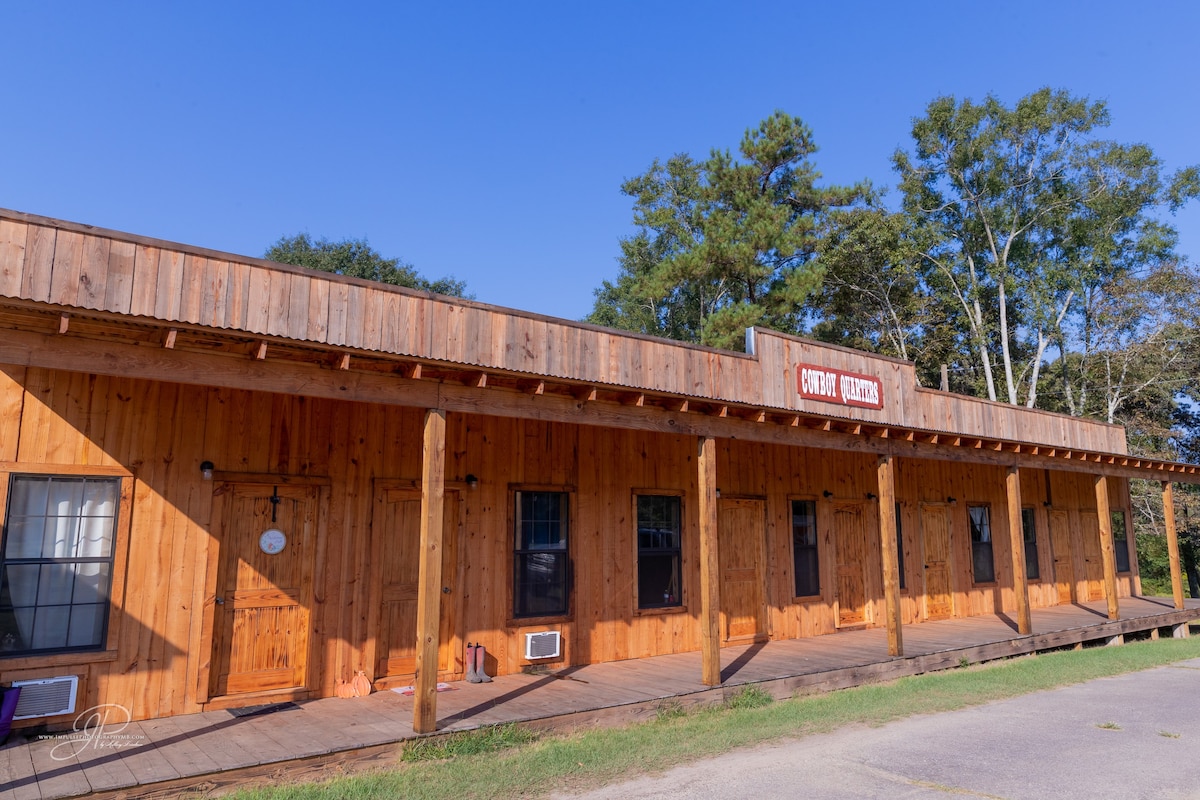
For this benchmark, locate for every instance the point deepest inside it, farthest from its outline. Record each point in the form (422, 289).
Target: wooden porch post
(710, 587)
(1107, 556)
(1016, 535)
(886, 478)
(1168, 498)
(429, 570)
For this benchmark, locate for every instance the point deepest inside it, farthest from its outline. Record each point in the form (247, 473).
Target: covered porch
(331, 736)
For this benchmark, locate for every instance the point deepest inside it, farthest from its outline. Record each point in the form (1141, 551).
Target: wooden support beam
(429, 570)
(415, 372)
(260, 354)
(169, 340)
(1016, 539)
(1107, 556)
(710, 571)
(344, 361)
(885, 474)
(480, 380)
(64, 322)
(1168, 499)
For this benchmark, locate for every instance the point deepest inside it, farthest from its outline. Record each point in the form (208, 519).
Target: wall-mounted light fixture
(871, 495)
(951, 500)
(472, 482)
(206, 470)
(718, 492)
(827, 493)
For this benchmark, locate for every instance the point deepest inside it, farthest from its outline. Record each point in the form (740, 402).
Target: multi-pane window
(1029, 533)
(804, 548)
(1120, 541)
(56, 565)
(540, 566)
(658, 542)
(981, 543)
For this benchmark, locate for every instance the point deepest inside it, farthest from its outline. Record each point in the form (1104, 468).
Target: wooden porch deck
(209, 751)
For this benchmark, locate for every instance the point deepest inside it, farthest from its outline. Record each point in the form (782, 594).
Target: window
(658, 532)
(981, 543)
(1029, 532)
(804, 548)
(56, 569)
(1120, 541)
(899, 547)
(540, 554)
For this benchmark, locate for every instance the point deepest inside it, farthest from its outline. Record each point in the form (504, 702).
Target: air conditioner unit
(542, 645)
(47, 697)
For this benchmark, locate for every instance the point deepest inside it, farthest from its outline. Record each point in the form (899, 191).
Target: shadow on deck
(322, 738)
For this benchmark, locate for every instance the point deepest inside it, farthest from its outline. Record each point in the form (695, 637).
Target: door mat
(408, 691)
(257, 711)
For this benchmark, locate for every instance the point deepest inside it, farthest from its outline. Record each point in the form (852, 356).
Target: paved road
(1043, 745)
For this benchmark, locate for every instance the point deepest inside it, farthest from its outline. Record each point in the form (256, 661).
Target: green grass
(509, 762)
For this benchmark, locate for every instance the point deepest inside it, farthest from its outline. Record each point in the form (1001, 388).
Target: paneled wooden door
(1093, 563)
(741, 529)
(1060, 540)
(850, 544)
(262, 620)
(935, 536)
(396, 527)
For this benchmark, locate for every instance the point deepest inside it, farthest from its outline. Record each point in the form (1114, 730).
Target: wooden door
(935, 535)
(263, 613)
(741, 525)
(1093, 564)
(850, 544)
(1060, 540)
(397, 530)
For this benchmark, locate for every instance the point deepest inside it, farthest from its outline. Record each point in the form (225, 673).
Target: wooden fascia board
(27, 348)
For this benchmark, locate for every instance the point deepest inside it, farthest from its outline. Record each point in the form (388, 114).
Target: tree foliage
(724, 244)
(355, 258)
(1021, 215)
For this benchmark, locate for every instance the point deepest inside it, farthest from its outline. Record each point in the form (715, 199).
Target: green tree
(356, 259)
(1021, 212)
(724, 244)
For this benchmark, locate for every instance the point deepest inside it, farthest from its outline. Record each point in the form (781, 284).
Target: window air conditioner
(46, 697)
(542, 645)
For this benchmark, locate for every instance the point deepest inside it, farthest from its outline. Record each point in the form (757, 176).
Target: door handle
(220, 601)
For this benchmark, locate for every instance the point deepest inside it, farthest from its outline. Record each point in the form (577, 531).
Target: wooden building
(228, 482)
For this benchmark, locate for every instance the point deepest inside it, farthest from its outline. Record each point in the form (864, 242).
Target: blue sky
(489, 141)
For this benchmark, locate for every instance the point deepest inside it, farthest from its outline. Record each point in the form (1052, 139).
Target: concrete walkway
(1130, 736)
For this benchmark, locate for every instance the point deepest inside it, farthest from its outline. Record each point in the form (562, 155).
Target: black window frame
(528, 555)
(1033, 569)
(983, 552)
(806, 557)
(101, 584)
(659, 519)
(1121, 543)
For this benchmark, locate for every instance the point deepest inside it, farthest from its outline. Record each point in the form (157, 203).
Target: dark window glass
(540, 567)
(804, 548)
(658, 531)
(1120, 541)
(56, 564)
(899, 547)
(981, 543)
(1029, 532)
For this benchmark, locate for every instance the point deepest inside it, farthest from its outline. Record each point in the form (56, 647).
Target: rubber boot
(472, 674)
(481, 664)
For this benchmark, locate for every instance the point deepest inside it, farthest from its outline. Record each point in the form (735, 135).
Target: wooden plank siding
(77, 267)
(159, 432)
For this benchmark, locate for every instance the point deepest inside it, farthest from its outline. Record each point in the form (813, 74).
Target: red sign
(835, 386)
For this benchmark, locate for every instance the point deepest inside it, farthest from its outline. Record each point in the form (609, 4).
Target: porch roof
(93, 300)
